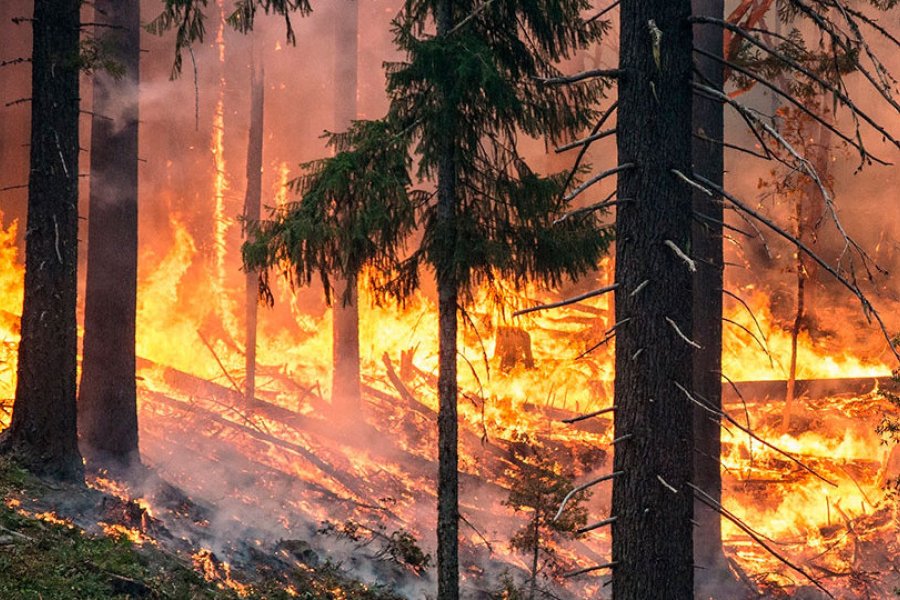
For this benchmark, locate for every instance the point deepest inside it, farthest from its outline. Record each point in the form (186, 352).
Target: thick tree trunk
(345, 388)
(652, 547)
(107, 398)
(252, 200)
(448, 295)
(43, 430)
(708, 159)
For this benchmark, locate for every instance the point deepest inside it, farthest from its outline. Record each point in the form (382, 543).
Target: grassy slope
(41, 560)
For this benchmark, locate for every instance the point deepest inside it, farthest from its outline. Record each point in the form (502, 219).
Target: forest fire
(188, 381)
(290, 479)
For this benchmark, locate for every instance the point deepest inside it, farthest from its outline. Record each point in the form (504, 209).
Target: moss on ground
(43, 560)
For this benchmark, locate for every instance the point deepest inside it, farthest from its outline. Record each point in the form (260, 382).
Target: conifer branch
(586, 141)
(681, 334)
(600, 14)
(803, 108)
(799, 68)
(591, 208)
(596, 525)
(724, 144)
(581, 154)
(14, 61)
(746, 306)
(751, 118)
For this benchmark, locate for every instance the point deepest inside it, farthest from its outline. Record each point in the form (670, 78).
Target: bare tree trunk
(345, 389)
(252, 200)
(448, 295)
(652, 547)
(42, 434)
(107, 397)
(708, 157)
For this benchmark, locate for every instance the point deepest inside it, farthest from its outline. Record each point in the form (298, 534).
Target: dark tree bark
(708, 159)
(345, 390)
(448, 296)
(107, 400)
(652, 536)
(42, 434)
(252, 200)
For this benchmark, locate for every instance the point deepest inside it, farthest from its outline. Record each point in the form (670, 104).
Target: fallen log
(762, 391)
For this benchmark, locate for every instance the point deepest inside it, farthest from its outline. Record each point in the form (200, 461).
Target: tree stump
(513, 346)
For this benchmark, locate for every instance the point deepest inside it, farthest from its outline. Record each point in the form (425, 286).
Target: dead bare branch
(567, 301)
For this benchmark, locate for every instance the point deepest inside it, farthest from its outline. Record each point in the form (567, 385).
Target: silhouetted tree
(652, 535)
(107, 397)
(42, 434)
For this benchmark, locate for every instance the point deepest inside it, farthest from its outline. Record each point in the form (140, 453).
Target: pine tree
(42, 434)
(459, 100)
(107, 400)
(541, 486)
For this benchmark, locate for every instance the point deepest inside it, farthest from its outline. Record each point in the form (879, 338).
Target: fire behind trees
(661, 34)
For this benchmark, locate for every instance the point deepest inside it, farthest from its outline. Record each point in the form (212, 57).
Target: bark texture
(708, 159)
(345, 375)
(42, 434)
(107, 400)
(652, 547)
(448, 295)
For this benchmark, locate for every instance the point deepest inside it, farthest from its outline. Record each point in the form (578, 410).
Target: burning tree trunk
(107, 401)
(43, 430)
(708, 158)
(652, 502)
(252, 200)
(345, 390)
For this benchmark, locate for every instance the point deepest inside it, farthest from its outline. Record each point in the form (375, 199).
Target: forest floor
(66, 542)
